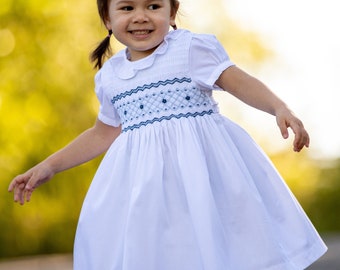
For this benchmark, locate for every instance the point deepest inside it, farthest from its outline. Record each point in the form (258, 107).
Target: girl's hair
(104, 49)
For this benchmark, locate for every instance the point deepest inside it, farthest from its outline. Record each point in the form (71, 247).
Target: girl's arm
(85, 147)
(256, 94)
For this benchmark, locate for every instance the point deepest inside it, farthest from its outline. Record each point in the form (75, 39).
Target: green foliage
(316, 184)
(46, 99)
(325, 204)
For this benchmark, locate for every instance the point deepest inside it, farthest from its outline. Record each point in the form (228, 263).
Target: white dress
(183, 187)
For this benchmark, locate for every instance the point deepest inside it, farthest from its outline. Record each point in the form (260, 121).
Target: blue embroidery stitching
(149, 86)
(187, 115)
(131, 109)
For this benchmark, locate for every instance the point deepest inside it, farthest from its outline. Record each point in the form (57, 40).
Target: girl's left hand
(286, 119)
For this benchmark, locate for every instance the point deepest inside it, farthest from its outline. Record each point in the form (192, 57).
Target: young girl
(181, 187)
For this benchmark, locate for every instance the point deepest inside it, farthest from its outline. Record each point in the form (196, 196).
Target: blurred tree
(300, 173)
(46, 99)
(316, 184)
(325, 203)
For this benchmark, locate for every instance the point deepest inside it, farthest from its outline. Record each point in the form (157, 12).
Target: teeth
(140, 32)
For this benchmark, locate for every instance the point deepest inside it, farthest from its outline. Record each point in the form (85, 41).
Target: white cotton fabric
(183, 187)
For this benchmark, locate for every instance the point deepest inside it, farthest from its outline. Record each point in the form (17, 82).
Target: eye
(127, 8)
(154, 7)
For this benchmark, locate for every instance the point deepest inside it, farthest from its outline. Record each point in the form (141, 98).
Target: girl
(181, 187)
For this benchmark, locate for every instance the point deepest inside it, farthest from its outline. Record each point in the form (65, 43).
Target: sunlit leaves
(46, 99)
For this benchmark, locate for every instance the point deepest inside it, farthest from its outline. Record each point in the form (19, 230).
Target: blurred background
(47, 99)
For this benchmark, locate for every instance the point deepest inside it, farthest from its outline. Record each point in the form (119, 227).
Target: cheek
(164, 21)
(118, 25)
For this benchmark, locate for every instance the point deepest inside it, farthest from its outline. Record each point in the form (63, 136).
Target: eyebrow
(124, 2)
(132, 1)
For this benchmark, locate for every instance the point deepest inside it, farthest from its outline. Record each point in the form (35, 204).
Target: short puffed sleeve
(107, 112)
(208, 60)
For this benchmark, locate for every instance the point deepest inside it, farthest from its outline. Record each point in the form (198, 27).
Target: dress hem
(302, 260)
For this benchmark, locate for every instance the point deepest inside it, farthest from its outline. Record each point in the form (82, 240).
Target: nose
(140, 16)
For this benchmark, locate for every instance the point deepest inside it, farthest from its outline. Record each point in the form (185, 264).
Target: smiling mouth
(140, 32)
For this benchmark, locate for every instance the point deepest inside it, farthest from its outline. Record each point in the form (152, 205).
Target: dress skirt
(195, 193)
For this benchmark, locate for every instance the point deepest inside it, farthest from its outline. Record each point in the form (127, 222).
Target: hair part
(103, 49)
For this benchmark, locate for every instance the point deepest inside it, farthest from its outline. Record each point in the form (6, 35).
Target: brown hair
(104, 49)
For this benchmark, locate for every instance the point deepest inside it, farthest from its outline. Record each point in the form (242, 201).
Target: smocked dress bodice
(166, 85)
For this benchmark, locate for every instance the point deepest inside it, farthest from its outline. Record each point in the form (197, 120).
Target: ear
(173, 14)
(104, 12)
(107, 24)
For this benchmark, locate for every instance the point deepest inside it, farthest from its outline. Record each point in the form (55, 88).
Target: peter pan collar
(126, 69)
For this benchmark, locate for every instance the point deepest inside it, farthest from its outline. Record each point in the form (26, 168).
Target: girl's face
(140, 24)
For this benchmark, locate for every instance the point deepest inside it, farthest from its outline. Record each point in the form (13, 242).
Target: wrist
(52, 164)
(281, 108)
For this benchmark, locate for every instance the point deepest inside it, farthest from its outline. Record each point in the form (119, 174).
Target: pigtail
(103, 50)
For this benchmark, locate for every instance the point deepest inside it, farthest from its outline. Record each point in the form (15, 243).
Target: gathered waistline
(165, 118)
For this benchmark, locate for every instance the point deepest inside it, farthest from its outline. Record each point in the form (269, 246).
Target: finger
(28, 193)
(303, 143)
(15, 182)
(31, 185)
(284, 129)
(18, 186)
(297, 138)
(301, 138)
(297, 145)
(19, 193)
(22, 178)
(298, 142)
(308, 141)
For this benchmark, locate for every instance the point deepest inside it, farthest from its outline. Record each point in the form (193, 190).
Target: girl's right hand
(23, 185)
